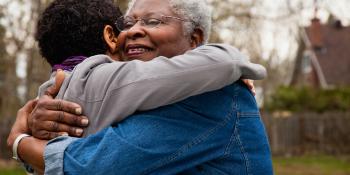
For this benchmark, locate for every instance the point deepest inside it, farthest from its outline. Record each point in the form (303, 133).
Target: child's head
(75, 28)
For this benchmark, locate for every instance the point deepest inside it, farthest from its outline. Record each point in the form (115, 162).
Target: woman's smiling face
(167, 39)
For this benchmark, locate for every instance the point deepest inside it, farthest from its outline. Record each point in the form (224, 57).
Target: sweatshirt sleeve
(122, 88)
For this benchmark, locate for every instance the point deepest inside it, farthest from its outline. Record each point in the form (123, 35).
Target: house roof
(331, 44)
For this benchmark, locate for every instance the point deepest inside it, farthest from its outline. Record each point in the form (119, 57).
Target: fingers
(21, 123)
(53, 90)
(61, 129)
(50, 124)
(59, 105)
(68, 118)
(250, 84)
(52, 117)
(253, 91)
(50, 129)
(45, 135)
(37, 119)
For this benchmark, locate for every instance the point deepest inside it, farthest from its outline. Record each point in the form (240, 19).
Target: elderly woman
(219, 132)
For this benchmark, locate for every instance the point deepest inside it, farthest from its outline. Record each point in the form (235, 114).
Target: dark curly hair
(75, 28)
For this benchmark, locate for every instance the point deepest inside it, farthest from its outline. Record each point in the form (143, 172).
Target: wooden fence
(289, 133)
(299, 133)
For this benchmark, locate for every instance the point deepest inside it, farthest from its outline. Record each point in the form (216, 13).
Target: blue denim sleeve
(167, 140)
(54, 152)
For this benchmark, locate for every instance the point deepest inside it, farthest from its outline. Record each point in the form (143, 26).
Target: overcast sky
(272, 39)
(340, 8)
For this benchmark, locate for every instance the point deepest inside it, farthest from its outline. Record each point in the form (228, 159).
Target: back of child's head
(75, 28)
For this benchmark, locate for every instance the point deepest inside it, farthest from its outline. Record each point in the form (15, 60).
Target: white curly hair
(197, 11)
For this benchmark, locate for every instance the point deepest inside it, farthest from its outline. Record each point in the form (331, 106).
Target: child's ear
(110, 39)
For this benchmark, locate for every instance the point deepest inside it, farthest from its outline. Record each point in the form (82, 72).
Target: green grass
(312, 165)
(11, 168)
(304, 165)
(12, 171)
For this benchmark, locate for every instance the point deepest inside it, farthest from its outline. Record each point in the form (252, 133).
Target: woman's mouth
(140, 50)
(136, 50)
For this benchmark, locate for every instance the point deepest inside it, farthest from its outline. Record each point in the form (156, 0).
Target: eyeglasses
(123, 24)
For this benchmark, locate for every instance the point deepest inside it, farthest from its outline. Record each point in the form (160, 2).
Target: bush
(309, 99)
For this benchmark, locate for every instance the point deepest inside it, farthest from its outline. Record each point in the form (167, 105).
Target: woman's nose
(136, 31)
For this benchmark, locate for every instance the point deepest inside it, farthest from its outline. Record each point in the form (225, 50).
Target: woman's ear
(110, 39)
(197, 38)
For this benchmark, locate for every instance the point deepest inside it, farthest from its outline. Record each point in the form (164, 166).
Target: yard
(312, 165)
(305, 165)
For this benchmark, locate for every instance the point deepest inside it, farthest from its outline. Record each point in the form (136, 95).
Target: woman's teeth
(137, 50)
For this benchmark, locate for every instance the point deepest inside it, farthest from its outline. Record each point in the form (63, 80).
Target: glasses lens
(120, 24)
(152, 22)
(125, 23)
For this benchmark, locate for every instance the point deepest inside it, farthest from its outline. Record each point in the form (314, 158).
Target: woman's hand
(250, 84)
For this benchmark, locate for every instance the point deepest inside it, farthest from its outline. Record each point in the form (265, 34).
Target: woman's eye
(153, 22)
(128, 24)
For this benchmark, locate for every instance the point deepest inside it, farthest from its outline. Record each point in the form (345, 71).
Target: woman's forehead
(150, 7)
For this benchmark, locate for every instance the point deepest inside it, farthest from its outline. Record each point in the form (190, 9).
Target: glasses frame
(143, 23)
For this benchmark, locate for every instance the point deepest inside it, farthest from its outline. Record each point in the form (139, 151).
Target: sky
(273, 39)
(341, 8)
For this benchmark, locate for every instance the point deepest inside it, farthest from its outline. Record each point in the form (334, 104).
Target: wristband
(15, 146)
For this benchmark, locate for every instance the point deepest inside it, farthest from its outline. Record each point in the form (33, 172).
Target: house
(323, 59)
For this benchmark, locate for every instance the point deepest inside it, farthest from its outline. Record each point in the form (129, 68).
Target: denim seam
(240, 144)
(234, 107)
(227, 149)
(236, 131)
(249, 114)
(189, 145)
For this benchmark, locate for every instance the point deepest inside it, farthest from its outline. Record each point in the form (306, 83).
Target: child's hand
(53, 117)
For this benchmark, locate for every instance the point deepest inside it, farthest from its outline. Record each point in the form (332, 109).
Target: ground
(312, 165)
(303, 165)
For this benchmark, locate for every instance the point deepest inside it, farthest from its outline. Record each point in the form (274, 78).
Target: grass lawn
(312, 165)
(304, 165)
(10, 168)
(12, 171)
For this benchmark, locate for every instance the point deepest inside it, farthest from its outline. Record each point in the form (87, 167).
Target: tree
(38, 70)
(18, 39)
(245, 24)
(9, 99)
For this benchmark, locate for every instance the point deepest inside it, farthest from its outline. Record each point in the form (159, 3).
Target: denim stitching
(236, 134)
(188, 146)
(234, 107)
(227, 149)
(249, 114)
(240, 144)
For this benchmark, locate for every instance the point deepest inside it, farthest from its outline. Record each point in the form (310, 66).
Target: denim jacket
(219, 132)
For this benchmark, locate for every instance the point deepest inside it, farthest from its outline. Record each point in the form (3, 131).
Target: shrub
(309, 99)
